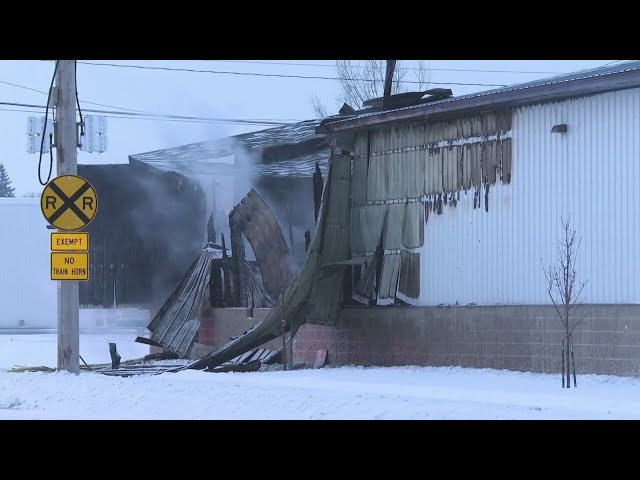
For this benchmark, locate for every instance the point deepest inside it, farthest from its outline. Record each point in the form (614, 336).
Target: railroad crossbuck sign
(69, 202)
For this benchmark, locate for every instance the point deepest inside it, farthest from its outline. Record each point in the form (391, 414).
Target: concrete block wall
(525, 338)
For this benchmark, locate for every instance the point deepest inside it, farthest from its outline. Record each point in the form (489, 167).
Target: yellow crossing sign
(69, 202)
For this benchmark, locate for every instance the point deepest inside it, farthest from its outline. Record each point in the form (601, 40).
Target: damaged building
(149, 230)
(438, 214)
(278, 162)
(159, 211)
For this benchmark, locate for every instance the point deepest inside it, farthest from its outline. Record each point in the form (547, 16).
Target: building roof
(581, 83)
(288, 150)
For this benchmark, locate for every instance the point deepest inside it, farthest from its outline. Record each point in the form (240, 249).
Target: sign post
(69, 203)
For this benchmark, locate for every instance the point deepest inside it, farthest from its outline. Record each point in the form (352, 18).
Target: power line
(46, 118)
(115, 115)
(137, 111)
(325, 65)
(165, 116)
(17, 110)
(479, 70)
(25, 88)
(276, 75)
(84, 101)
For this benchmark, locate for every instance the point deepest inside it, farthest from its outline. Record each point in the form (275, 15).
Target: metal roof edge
(577, 84)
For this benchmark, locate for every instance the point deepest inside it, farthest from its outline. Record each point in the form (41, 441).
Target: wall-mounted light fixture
(561, 128)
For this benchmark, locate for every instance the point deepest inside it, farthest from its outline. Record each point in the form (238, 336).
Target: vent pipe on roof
(388, 80)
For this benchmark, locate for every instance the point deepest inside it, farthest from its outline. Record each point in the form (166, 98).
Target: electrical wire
(200, 122)
(44, 133)
(85, 101)
(150, 116)
(276, 75)
(75, 79)
(326, 65)
(142, 112)
(22, 86)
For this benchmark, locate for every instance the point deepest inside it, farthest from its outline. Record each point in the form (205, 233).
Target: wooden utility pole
(67, 163)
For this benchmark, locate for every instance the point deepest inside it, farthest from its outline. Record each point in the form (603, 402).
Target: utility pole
(66, 142)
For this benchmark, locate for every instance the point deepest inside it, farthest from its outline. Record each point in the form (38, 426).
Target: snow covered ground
(330, 393)
(38, 349)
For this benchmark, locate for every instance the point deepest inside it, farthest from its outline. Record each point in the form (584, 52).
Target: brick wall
(525, 338)
(218, 325)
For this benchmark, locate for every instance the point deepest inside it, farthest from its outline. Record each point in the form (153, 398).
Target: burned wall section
(149, 227)
(291, 200)
(404, 173)
(315, 294)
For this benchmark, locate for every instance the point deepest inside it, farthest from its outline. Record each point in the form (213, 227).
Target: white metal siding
(591, 172)
(26, 291)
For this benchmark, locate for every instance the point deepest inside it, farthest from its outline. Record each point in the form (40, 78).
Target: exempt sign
(70, 266)
(69, 242)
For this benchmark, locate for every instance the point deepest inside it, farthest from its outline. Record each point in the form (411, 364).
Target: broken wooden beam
(240, 287)
(115, 357)
(253, 366)
(318, 185)
(147, 341)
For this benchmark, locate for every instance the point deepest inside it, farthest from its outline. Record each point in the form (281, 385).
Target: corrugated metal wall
(403, 172)
(26, 290)
(591, 172)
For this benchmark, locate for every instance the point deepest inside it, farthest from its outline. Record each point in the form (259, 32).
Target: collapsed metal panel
(176, 324)
(309, 293)
(256, 221)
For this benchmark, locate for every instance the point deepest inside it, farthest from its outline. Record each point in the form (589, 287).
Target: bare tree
(565, 292)
(318, 107)
(362, 80)
(423, 75)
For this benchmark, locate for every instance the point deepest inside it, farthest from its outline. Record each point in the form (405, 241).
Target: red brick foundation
(360, 343)
(218, 325)
(525, 338)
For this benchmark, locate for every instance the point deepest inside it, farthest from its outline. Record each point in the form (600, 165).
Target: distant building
(28, 297)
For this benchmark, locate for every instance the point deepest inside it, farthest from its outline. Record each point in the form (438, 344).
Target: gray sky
(209, 95)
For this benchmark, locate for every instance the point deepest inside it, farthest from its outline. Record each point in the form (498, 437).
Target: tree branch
(549, 278)
(318, 107)
(582, 319)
